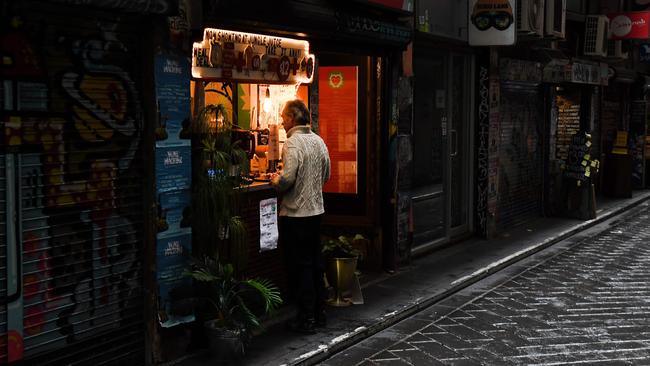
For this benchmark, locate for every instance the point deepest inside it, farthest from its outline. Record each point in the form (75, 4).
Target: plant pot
(340, 273)
(223, 343)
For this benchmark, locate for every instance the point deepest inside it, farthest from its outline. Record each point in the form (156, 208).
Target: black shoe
(321, 319)
(302, 326)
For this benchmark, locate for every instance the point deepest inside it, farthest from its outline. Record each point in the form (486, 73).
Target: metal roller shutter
(520, 154)
(3, 259)
(80, 187)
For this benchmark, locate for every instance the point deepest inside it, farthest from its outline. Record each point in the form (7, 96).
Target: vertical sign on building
(492, 22)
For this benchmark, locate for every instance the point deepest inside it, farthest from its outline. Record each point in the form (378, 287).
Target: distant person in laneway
(306, 168)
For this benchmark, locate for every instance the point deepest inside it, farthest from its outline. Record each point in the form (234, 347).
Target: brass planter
(340, 274)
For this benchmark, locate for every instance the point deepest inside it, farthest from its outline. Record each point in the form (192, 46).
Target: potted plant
(341, 257)
(234, 306)
(220, 231)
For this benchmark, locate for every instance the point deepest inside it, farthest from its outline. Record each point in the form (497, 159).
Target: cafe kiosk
(253, 76)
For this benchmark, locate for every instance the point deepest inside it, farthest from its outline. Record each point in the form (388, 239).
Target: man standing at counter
(306, 168)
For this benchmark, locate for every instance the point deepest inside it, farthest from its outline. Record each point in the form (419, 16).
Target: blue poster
(175, 304)
(173, 213)
(173, 168)
(173, 181)
(172, 74)
(644, 52)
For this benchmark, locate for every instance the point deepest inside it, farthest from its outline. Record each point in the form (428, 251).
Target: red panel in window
(338, 120)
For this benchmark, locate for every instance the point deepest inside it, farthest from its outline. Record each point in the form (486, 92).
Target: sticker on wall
(335, 80)
(492, 22)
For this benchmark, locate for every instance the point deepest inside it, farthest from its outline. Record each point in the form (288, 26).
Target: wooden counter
(268, 264)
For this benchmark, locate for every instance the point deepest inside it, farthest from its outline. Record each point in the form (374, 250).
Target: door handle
(453, 136)
(13, 227)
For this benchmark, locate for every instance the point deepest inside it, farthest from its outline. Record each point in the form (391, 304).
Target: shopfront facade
(357, 48)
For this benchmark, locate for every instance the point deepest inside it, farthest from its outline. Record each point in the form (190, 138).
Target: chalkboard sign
(568, 123)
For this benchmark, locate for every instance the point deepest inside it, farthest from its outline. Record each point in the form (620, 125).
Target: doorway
(442, 142)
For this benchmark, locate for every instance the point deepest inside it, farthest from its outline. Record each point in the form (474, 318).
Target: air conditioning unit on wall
(555, 18)
(530, 17)
(596, 34)
(615, 49)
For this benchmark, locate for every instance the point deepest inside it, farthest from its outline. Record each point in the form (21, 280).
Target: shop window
(338, 125)
(345, 106)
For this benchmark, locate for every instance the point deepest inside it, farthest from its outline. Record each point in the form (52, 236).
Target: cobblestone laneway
(587, 305)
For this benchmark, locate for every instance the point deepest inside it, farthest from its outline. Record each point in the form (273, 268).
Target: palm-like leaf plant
(230, 298)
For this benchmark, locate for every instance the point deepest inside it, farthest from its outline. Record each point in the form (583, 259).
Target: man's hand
(275, 179)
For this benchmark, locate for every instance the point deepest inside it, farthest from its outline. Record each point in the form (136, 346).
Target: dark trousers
(300, 238)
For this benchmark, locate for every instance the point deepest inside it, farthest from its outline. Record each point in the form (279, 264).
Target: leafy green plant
(231, 300)
(220, 232)
(341, 246)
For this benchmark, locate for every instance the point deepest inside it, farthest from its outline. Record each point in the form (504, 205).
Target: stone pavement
(585, 302)
(390, 299)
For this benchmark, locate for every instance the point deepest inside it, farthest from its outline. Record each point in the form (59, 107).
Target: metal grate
(80, 187)
(3, 260)
(520, 155)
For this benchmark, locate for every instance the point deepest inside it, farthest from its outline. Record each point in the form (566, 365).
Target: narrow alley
(583, 301)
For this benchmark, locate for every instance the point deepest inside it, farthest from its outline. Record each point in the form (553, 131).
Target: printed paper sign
(173, 213)
(173, 95)
(173, 168)
(174, 289)
(268, 224)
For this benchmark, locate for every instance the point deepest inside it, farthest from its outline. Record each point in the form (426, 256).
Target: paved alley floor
(584, 301)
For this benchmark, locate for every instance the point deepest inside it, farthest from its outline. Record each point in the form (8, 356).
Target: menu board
(568, 123)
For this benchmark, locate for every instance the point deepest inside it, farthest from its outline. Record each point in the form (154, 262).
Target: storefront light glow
(251, 57)
(267, 104)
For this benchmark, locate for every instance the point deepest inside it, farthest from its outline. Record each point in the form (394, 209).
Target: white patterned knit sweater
(306, 167)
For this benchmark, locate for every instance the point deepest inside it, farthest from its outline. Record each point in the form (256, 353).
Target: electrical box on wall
(530, 18)
(615, 50)
(555, 18)
(445, 18)
(596, 34)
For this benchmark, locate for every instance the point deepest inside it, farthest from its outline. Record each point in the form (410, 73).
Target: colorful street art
(76, 136)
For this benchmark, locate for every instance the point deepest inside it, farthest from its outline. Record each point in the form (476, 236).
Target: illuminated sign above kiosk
(251, 58)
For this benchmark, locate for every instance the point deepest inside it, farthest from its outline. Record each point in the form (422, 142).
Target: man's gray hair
(297, 110)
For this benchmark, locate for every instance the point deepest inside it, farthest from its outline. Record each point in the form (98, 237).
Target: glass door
(460, 133)
(442, 146)
(429, 194)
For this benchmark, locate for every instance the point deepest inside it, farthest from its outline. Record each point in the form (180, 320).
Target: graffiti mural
(520, 159)
(80, 184)
(483, 128)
